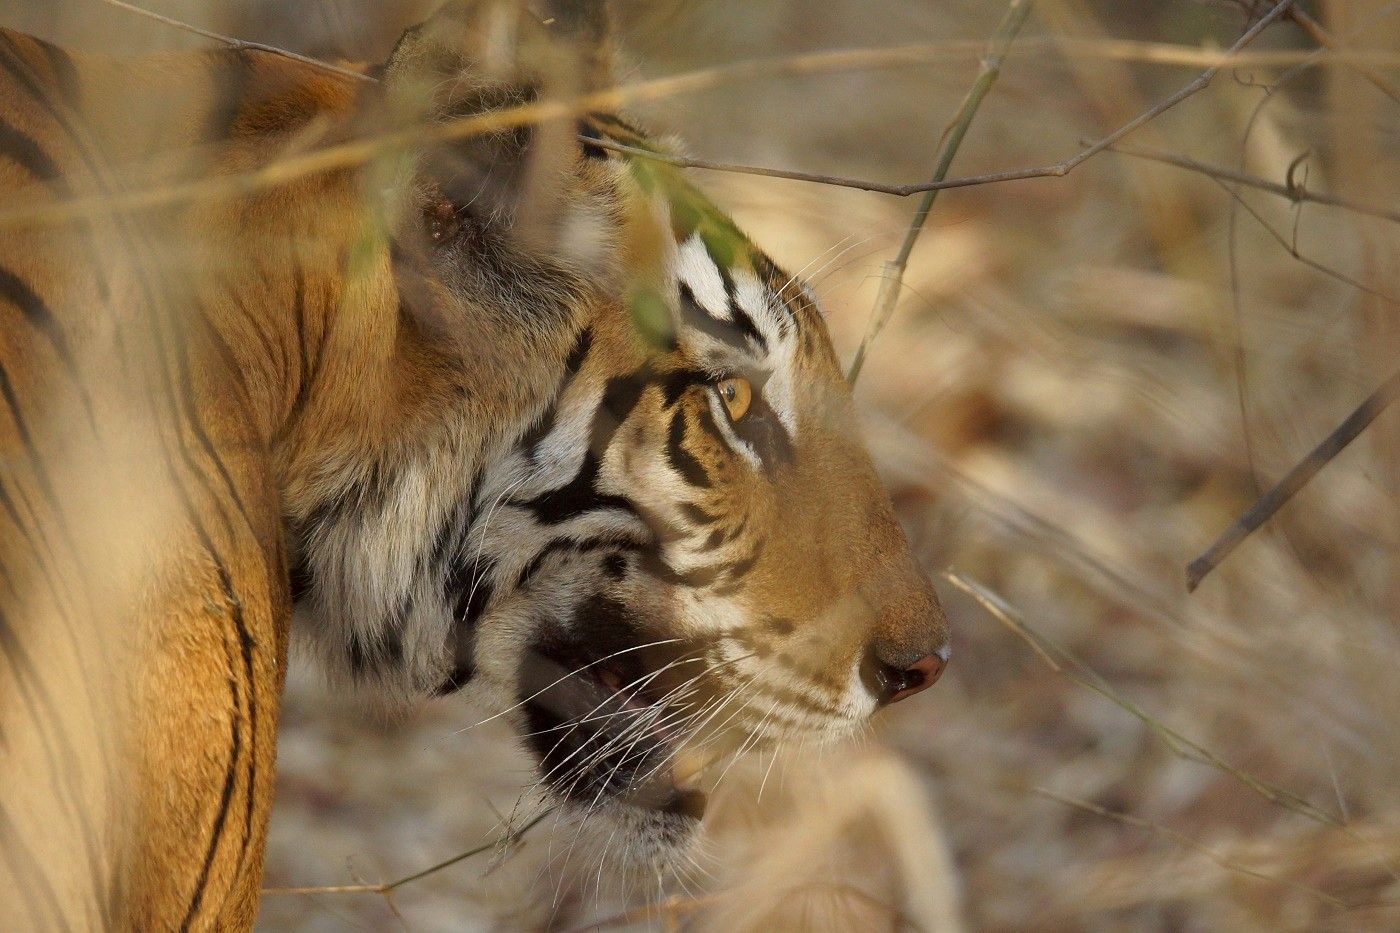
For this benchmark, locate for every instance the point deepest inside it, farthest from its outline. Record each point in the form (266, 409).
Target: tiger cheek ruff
(508, 413)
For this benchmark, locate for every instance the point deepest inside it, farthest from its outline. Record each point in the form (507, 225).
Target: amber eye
(737, 395)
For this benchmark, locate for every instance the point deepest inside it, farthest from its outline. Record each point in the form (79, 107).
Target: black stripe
(741, 319)
(784, 286)
(230, 94)
(694, 315)
(13, 63)
(705, 421)
(27, 154)
(225, 800)
(653, 564)
(574, 546)
(246, 645)
(740, 569)
(376, 650)
(696, 514)
(7, 389)
(579, 495)
(731, 333)
(65, 72)
(762, 429)
(746, 325)
(174, 398)
(537, 432)
(591, 151)
(12, 60)
(681, 460)
(579, 354)
(236, 302)
(38, 315)
(467, 588)
(193, 417)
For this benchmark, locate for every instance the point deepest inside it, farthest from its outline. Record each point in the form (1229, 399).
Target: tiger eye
(737, 395)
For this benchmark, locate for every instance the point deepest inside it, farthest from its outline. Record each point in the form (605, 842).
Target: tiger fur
(512, 414)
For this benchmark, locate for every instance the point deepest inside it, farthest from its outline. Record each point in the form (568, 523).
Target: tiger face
(693, 552)
(675, 546)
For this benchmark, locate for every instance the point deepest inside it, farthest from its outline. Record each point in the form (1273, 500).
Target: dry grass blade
(1188, 842)
(892, 275)
(1080, 672)
(1296, 479)
(388, 887)
(361, 151)
(234, 43)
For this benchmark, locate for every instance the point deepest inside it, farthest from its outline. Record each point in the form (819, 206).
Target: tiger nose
(891, 678)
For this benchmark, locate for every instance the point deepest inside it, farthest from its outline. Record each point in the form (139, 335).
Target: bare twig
(893, 271)
(1291, 246)
(386, 888)
(1155, 53)
(1296, 479)
(240, 44)
(357, 152)
(892, 274)
(835, 181)
(1292, 189)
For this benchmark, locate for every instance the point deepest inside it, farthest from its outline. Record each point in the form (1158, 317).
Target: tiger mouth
(607, 728)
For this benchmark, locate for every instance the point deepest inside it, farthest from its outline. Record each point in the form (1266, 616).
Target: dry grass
(1085, 381)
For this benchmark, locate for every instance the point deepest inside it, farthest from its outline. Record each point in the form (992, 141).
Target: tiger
(519, 415)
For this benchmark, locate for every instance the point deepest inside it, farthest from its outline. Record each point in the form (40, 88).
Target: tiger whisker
(564, 677)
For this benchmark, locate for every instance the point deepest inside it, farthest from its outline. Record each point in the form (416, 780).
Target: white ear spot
(695, 268)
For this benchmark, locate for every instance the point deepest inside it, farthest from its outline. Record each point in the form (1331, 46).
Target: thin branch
(357, 152)
(386, 888)
(1294, 190)
(893, 272)
(240, 44)
(1291, 247)
(1154, 53)
(835, 181)
(1296, 479)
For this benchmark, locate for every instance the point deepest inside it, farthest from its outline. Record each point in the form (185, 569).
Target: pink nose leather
(918, 677)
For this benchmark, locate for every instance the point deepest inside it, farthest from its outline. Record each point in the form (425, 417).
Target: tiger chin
(508, 409)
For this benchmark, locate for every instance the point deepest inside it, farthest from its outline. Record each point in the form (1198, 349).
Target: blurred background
(1085, 381)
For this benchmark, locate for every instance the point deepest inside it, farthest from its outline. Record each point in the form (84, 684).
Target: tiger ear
(476, 58)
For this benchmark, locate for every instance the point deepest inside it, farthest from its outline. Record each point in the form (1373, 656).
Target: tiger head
(676, 544)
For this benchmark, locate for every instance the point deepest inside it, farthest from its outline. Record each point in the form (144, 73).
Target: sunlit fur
(454, 408)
